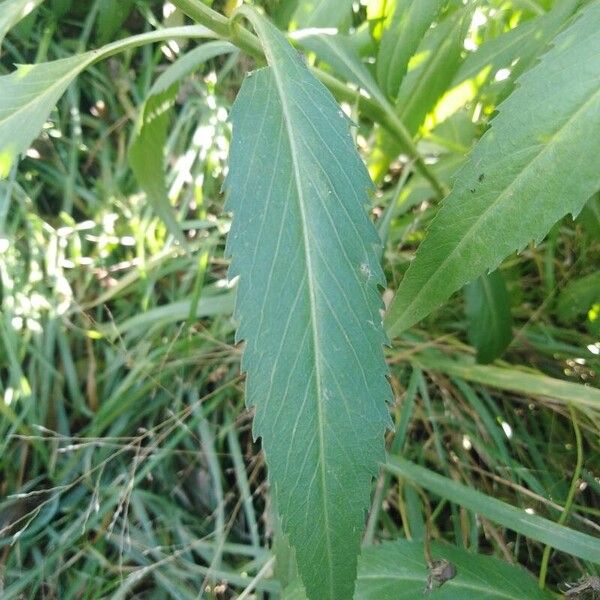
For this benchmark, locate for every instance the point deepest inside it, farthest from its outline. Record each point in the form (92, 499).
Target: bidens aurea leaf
(12, 11)
(537, 163)
(28, 94)
(308, 308)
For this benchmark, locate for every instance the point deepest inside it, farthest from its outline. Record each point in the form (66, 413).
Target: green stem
(570, 495)
(383, 115)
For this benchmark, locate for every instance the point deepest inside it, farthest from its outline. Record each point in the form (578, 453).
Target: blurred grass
(127, 465)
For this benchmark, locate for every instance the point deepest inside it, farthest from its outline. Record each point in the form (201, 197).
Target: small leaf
(308, 307)
(338, 51)
(146, 151)
(410, 21)
(424, 85)
(12, 11)
(578, 297)
(488, 316)
(536, 163)
(518, 46)
(28, 94)
(111, 16)
(322, 13)
(26, 98)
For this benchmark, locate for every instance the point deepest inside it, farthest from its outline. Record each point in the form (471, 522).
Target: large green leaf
(536, 163)
(147, 147)
(488, 316)
(28, 94)
(408, 24)
(12, 11)
(308, 308)
(531, 525)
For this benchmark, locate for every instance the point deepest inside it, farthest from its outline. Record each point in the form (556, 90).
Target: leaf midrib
(550, 144)
(273, 63)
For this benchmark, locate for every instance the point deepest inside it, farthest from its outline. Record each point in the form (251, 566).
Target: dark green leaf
(488, 316)
(408, 24)
(308, 306)
(338, 52)
(397, 571)
(28, 94)
(147, 148)
(534, 165)
(424, 85)
(322, 13)
(111, 15)
(578, 297)
(517, 48)
(12, 11)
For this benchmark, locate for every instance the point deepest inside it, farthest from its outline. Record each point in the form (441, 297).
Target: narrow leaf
(338, 51)
(28, 94)
(513, 379)
(488, 316)
(12, 11)
(578, 297)
(322, 13)
(147, 148)
(424, 85)
(518, 46)
(111, 16)
(308, 308)
(533, 526)
(536, 163)
(409, 22)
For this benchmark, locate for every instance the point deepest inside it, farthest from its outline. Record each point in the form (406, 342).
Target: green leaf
(578, 297)
(518, 47)
(425, 84)
(397, 571)
(488, 316)
(12, 11)
(513, 379)
(28, 94)
(589, 218)
(536, 163)
(146, 154)
(338, 52)
(531, 525)
(322, 13)
(111, 15)
(308, 308)
(209, 305)
(409, 22)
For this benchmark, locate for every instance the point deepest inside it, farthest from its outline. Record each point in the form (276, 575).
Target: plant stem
(384, 115)
(570, 496)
